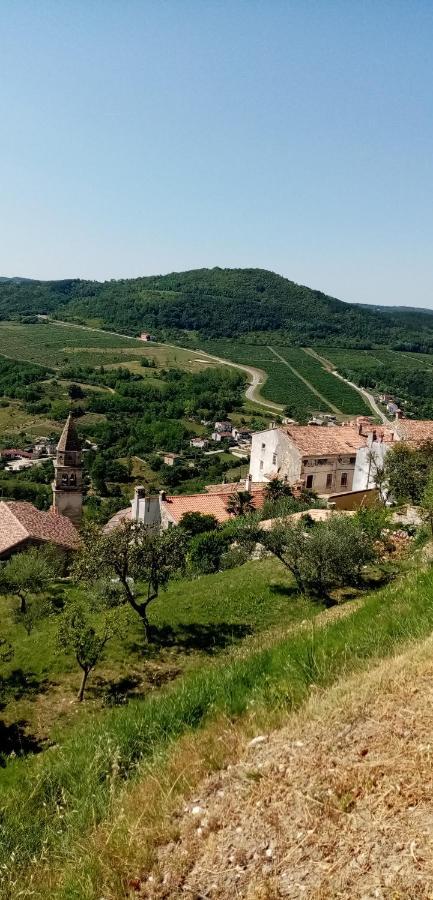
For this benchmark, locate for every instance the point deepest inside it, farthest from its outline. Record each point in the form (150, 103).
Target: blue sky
(144, 137)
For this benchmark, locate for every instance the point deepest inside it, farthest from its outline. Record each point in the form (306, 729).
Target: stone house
(324, 459)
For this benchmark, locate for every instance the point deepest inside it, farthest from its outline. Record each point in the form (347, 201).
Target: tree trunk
(23, 607)
(80, 696)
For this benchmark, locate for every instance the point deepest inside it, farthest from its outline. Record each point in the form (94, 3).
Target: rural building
(170, 459)
(145, 336)
(199, 443)
(222, 436)
(162, 511)
(322, 458)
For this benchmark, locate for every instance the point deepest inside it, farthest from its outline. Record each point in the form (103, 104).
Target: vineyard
(340, 395)
(56, 345)
(284, 382)
(407, 377)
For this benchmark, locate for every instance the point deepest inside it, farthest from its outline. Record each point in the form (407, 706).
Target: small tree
(197, 523)
(277, 490)
(427, 502)
(141, 560)
(26, 574)
(240, 503)
(206, 551)
(86, 636)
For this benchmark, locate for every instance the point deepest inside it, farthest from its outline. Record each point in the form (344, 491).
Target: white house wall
(274, 455)
(367, 460)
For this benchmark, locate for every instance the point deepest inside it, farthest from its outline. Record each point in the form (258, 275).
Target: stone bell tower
(68, 474)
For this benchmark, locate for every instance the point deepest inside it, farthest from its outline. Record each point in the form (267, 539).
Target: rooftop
(213, 504)
(21, 521)
(414, 431)
(333, 440)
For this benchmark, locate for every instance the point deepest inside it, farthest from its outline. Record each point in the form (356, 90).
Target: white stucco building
(326, 460)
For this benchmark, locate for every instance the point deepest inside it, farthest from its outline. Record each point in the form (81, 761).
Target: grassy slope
(193, 620)
(257, 682)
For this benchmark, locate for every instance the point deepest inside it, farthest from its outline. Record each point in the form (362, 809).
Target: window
(274, 459)
(64, 479)
(309, 482)
(343, 480)
(263, 447)
(329, 480)
(352, 460)
(261, 465)
(73, 479)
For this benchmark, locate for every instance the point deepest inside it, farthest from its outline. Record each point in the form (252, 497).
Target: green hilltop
(250, 304)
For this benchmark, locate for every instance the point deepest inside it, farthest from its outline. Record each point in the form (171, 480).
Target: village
(339, 464)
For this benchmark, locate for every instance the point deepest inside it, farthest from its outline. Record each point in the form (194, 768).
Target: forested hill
(251, 304)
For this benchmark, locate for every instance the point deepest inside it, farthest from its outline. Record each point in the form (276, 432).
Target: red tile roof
(332, 440)
(21, 522)
(414, 431)
(214, 504)
(124, 515)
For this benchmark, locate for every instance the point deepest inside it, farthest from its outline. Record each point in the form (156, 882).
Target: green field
(54, 345)
(192, 620)
(340, 395)
(283, 384)
(407, 376)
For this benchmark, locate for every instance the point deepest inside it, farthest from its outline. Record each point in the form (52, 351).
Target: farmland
(286, 382)
(406, 376)
(340, 395)
(57, 345)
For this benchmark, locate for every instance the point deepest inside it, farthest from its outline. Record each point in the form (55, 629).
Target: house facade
(323, 459)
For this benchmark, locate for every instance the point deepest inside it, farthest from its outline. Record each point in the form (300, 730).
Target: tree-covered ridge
(251, 303)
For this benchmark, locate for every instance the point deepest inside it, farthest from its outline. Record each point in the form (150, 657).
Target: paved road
(257, 376)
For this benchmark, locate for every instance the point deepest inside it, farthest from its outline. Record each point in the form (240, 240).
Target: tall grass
(50, 801)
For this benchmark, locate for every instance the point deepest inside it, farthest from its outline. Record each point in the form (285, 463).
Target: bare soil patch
(338, 804)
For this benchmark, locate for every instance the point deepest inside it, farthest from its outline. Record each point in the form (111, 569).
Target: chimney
(162, 495)
(139, 493)
(248, 482)
(399, 414)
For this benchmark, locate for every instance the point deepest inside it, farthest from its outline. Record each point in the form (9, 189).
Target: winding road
(257, 376)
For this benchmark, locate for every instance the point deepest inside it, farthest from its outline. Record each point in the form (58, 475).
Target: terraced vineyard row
(341, 395)
(282, 385)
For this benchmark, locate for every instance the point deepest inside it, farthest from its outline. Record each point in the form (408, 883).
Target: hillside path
(366, 394)
(307, 383)
(257, 376)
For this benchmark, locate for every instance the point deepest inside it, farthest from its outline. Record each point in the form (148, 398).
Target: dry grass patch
(339, 803)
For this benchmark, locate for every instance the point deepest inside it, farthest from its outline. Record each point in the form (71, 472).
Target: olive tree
(84, 631)
(140, 560)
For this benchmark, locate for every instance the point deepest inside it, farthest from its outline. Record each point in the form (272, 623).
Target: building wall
(327, 473)
(274, 455)
(367, 459)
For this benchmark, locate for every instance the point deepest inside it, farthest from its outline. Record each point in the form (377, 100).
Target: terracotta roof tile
(124, 515)
(331, 440)
(20, 521)
(207, 504)
(233, 486)
(414, 431)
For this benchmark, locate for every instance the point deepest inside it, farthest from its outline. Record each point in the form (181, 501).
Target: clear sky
(147, 136)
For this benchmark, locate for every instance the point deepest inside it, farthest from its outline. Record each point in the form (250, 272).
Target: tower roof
(69, 438)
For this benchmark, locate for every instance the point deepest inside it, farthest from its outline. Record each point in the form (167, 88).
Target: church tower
(68, 475)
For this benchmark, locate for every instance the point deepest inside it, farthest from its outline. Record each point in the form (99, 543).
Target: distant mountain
(16, 279)
(249, 304)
